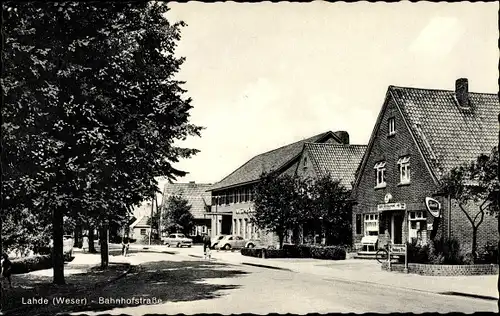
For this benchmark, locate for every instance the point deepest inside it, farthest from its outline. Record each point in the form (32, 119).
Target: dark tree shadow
(159, 282)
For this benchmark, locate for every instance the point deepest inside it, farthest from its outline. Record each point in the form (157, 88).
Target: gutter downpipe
(449, 217)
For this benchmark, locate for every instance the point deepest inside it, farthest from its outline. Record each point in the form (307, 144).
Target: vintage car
(231, 242)
(178, 240)
(215, 240)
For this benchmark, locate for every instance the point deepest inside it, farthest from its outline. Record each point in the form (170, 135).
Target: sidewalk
(369, 271)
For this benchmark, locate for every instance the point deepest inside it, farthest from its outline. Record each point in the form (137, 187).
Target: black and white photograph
(249, 158)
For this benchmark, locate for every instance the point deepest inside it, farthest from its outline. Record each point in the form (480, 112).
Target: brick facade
(444, 270)
(422, 184)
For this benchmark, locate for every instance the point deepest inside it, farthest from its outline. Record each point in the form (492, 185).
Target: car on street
(253, 243)
(215, 240)
(178, 240)
(231, 242)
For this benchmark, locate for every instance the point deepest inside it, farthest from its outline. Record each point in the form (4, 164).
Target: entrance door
(226, 225)
(397, 237)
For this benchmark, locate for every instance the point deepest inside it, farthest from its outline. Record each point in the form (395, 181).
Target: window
(237, 196)
(358, 224)
(391, 126)
(380, 174)
(171, 236)
(304, 163)
(371, 224)
(143, 231)
(404, 170)
(418, 215)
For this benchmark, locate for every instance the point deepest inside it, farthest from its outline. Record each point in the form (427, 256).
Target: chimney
(192, 182)
(344, 137)
(462, 92)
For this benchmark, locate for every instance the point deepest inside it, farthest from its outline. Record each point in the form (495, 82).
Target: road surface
(192, 286)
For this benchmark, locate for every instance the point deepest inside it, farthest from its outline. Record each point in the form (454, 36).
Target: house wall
(305, 168)
(135, 233)
(421, 186)
(390, 149)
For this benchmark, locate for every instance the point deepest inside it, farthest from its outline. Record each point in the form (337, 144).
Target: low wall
(444, 270)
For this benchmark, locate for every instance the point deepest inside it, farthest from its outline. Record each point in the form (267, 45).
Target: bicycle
(383, 254)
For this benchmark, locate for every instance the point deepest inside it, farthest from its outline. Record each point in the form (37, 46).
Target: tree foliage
(91, 110)
(177, 216)
(474, 185)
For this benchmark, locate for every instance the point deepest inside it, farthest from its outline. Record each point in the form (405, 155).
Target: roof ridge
(270, 151)
(439, 90)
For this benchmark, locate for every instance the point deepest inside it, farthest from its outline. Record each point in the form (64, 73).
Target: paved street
(189, 285)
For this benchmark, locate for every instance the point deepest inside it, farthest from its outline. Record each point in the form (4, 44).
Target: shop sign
(391, 207)
(398, 249)
(433, 206)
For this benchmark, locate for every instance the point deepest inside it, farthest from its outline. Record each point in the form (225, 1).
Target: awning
(403, 160)
(380, 164)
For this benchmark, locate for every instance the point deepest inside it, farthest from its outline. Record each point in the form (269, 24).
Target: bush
(488, 255)
(274, 253)
(418, 253)
(251, 252)
(328, 252)
(32, 263)
(450, 250)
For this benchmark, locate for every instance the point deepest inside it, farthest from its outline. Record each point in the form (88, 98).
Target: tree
(471, 185)
(331, 206)
(91, 110)
(279, 203)
(177, 216)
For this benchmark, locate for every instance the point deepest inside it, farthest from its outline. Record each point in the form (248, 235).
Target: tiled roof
(195, 193)
(141, 222)
(446, 134)
(267, 162)
(338, 160)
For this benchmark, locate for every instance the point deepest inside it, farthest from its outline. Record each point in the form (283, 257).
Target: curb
(266, 266)
(482, 297)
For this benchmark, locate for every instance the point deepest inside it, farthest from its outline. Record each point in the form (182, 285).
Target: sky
(264, 75)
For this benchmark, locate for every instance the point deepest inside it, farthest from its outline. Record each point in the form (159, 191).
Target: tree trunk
(281, 238)
(103, 240)
(474, 244)
(91, 240)
(57, 248)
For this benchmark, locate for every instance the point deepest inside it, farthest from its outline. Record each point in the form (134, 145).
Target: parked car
(178, 240)
(252, 243)
(215, 240)
(231, 242)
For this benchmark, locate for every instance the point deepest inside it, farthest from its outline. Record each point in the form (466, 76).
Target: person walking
(6, 269)
(125, 246)
(85, 243)
(206, 246)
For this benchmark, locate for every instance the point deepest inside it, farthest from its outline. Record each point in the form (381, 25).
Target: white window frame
(391, 125)
(371, 220)
(404, 167)
(380, 169)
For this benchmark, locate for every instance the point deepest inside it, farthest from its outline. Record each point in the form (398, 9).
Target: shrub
(450, 250)
(33, 263)
(291, 251)
(488, 255)
(304, 251)
(251, 252)
(418, 253)
(274, 253)
(328, 252)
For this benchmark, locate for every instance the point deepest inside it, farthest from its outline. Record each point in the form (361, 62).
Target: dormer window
(391, 124)
(404, 170)
(304, 163)
(380, 174)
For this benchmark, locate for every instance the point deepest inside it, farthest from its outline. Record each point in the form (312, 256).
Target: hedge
(32, 263)
(300, 251)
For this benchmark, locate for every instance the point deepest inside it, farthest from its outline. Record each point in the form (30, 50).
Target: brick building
(232, 197)
(419, 136)
(198, 197)
(340, 161)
